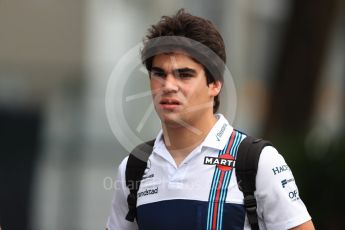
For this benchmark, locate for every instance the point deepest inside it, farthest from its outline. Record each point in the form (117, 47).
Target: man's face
(179, 88)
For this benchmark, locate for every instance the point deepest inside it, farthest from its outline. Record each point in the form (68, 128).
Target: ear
(214, 88)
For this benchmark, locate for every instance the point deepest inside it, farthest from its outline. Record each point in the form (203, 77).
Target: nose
(170, 84)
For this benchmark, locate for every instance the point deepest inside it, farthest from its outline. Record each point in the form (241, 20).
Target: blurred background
(58, 155)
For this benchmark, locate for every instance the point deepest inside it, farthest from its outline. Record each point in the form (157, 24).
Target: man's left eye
(185, 75)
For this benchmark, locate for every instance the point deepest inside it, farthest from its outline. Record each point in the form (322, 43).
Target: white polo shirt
(202, 192)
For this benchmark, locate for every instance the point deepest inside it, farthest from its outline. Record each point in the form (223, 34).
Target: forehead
(168, 61)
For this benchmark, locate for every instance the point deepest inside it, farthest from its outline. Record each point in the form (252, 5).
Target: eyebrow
(181, 70)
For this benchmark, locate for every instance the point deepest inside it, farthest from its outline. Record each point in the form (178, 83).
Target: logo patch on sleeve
(286, 181)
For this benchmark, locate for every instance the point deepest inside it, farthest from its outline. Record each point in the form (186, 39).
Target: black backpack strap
(247, 161)
(136, 165)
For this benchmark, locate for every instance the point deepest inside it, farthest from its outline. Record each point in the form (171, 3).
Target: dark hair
(198, 29)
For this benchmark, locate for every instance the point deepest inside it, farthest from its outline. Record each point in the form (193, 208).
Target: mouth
(169, 103)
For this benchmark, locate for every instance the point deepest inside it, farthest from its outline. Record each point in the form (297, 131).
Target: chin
(171, 120)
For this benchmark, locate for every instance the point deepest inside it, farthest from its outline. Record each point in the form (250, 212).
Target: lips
(169, 103)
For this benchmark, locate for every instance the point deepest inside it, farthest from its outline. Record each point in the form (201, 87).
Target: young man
(184, 186)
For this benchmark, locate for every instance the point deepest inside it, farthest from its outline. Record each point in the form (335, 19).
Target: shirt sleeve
(279, 204)
(119, 207)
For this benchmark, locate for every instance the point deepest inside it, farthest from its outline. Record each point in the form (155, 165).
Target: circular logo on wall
(128, 101)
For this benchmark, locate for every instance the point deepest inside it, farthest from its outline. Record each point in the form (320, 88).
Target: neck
(181, 140)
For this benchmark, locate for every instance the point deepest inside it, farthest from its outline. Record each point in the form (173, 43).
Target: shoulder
(124, 162)
(272, 165)
(122, 167)
(270, 157)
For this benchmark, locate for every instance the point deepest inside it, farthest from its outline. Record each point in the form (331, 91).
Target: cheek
(155, 91)
(155, 86)
(198, 90)
(193, 95)
(152, 84)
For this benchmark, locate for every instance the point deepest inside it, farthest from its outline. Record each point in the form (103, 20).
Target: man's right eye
(157, 74)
